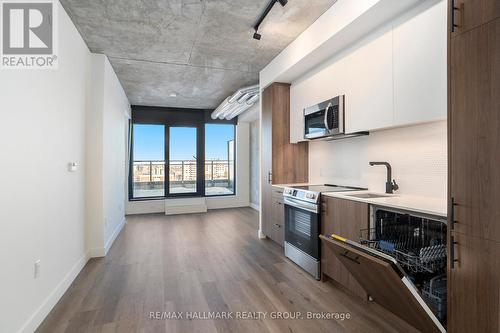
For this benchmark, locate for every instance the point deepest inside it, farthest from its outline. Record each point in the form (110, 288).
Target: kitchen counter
(418, 204)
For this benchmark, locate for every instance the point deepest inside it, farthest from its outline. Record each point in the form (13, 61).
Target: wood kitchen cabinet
(474, 284)
(344, 218)
(281, 161)
(470, 14)
(474, 131)
(473, 175)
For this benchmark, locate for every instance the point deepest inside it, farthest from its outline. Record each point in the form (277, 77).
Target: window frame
(131, 167)
(177, 117)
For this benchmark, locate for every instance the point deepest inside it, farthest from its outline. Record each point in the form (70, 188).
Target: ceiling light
(173, 95)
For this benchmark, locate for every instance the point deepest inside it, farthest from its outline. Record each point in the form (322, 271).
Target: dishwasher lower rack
(434, 292)
(414, 251)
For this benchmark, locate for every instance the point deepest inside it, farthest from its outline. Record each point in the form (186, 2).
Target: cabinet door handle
(451, 209)
(453, 8)
(277, 225)
(351, 259)
(453, 260)
(270, 177)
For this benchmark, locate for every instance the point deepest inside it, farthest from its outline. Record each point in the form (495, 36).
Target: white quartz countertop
(418, 204)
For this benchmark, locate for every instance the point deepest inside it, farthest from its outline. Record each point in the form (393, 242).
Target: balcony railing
(149, 176)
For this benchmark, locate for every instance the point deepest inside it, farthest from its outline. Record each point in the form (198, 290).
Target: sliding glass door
(183, 160)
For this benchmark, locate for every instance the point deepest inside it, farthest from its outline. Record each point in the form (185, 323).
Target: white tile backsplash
(418, 155)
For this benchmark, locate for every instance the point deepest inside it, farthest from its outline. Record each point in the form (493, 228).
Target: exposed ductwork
(237, 103)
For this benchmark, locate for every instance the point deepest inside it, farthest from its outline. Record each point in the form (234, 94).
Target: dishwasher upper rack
(402, 243)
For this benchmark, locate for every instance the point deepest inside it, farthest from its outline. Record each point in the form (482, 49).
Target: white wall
(94, 159)
(255, 163)
(42, 205)
(251, 116)
(242, 197)
(116, 113)
(418, 156)
(106, 130)
(49, 118)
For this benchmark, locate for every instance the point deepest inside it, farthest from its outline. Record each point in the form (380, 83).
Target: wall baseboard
(96, 252)
(48, 304)
(115, 234)
(261, 235)
(255, 206)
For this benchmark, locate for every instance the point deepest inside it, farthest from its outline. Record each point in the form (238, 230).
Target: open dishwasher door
(382, 278)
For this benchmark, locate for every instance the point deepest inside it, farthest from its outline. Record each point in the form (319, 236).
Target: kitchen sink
(369, 195)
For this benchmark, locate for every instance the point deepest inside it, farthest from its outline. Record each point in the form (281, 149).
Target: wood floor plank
(209, 263)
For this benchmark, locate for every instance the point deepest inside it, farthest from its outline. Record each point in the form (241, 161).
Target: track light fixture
(256, 34)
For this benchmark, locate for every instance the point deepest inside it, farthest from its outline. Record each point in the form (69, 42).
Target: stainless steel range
(302, 224)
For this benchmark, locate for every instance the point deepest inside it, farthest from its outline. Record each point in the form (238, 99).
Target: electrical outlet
(36, 270)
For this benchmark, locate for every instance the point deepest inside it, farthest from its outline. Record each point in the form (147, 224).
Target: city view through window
(148, 169)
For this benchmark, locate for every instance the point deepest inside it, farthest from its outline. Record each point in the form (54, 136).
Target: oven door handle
(310, 207)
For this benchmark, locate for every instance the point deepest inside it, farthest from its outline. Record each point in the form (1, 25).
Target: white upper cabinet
(420, 68)
(397, 77)
(368, 85)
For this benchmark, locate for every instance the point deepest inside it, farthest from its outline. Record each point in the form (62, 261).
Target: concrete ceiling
(201, 50)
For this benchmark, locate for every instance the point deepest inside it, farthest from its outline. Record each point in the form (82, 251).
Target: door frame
(200, 161)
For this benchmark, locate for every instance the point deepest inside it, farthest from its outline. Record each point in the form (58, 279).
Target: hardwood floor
(210, 262)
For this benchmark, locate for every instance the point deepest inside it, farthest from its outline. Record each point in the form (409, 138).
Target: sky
(149, 142)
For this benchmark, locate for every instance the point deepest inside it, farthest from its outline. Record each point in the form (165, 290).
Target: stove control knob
(310, 196)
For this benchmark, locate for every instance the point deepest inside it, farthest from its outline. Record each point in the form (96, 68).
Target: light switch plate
(36, 270)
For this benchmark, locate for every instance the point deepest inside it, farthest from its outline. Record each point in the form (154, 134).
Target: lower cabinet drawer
(345, 218)
(332, 268)
(277, 226)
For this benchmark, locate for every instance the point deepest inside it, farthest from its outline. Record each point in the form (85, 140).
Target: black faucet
(390, 185)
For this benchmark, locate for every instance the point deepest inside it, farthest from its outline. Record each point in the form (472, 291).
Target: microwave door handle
(328, 108)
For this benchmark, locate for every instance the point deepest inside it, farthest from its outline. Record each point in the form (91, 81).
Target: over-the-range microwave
(326, 120)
